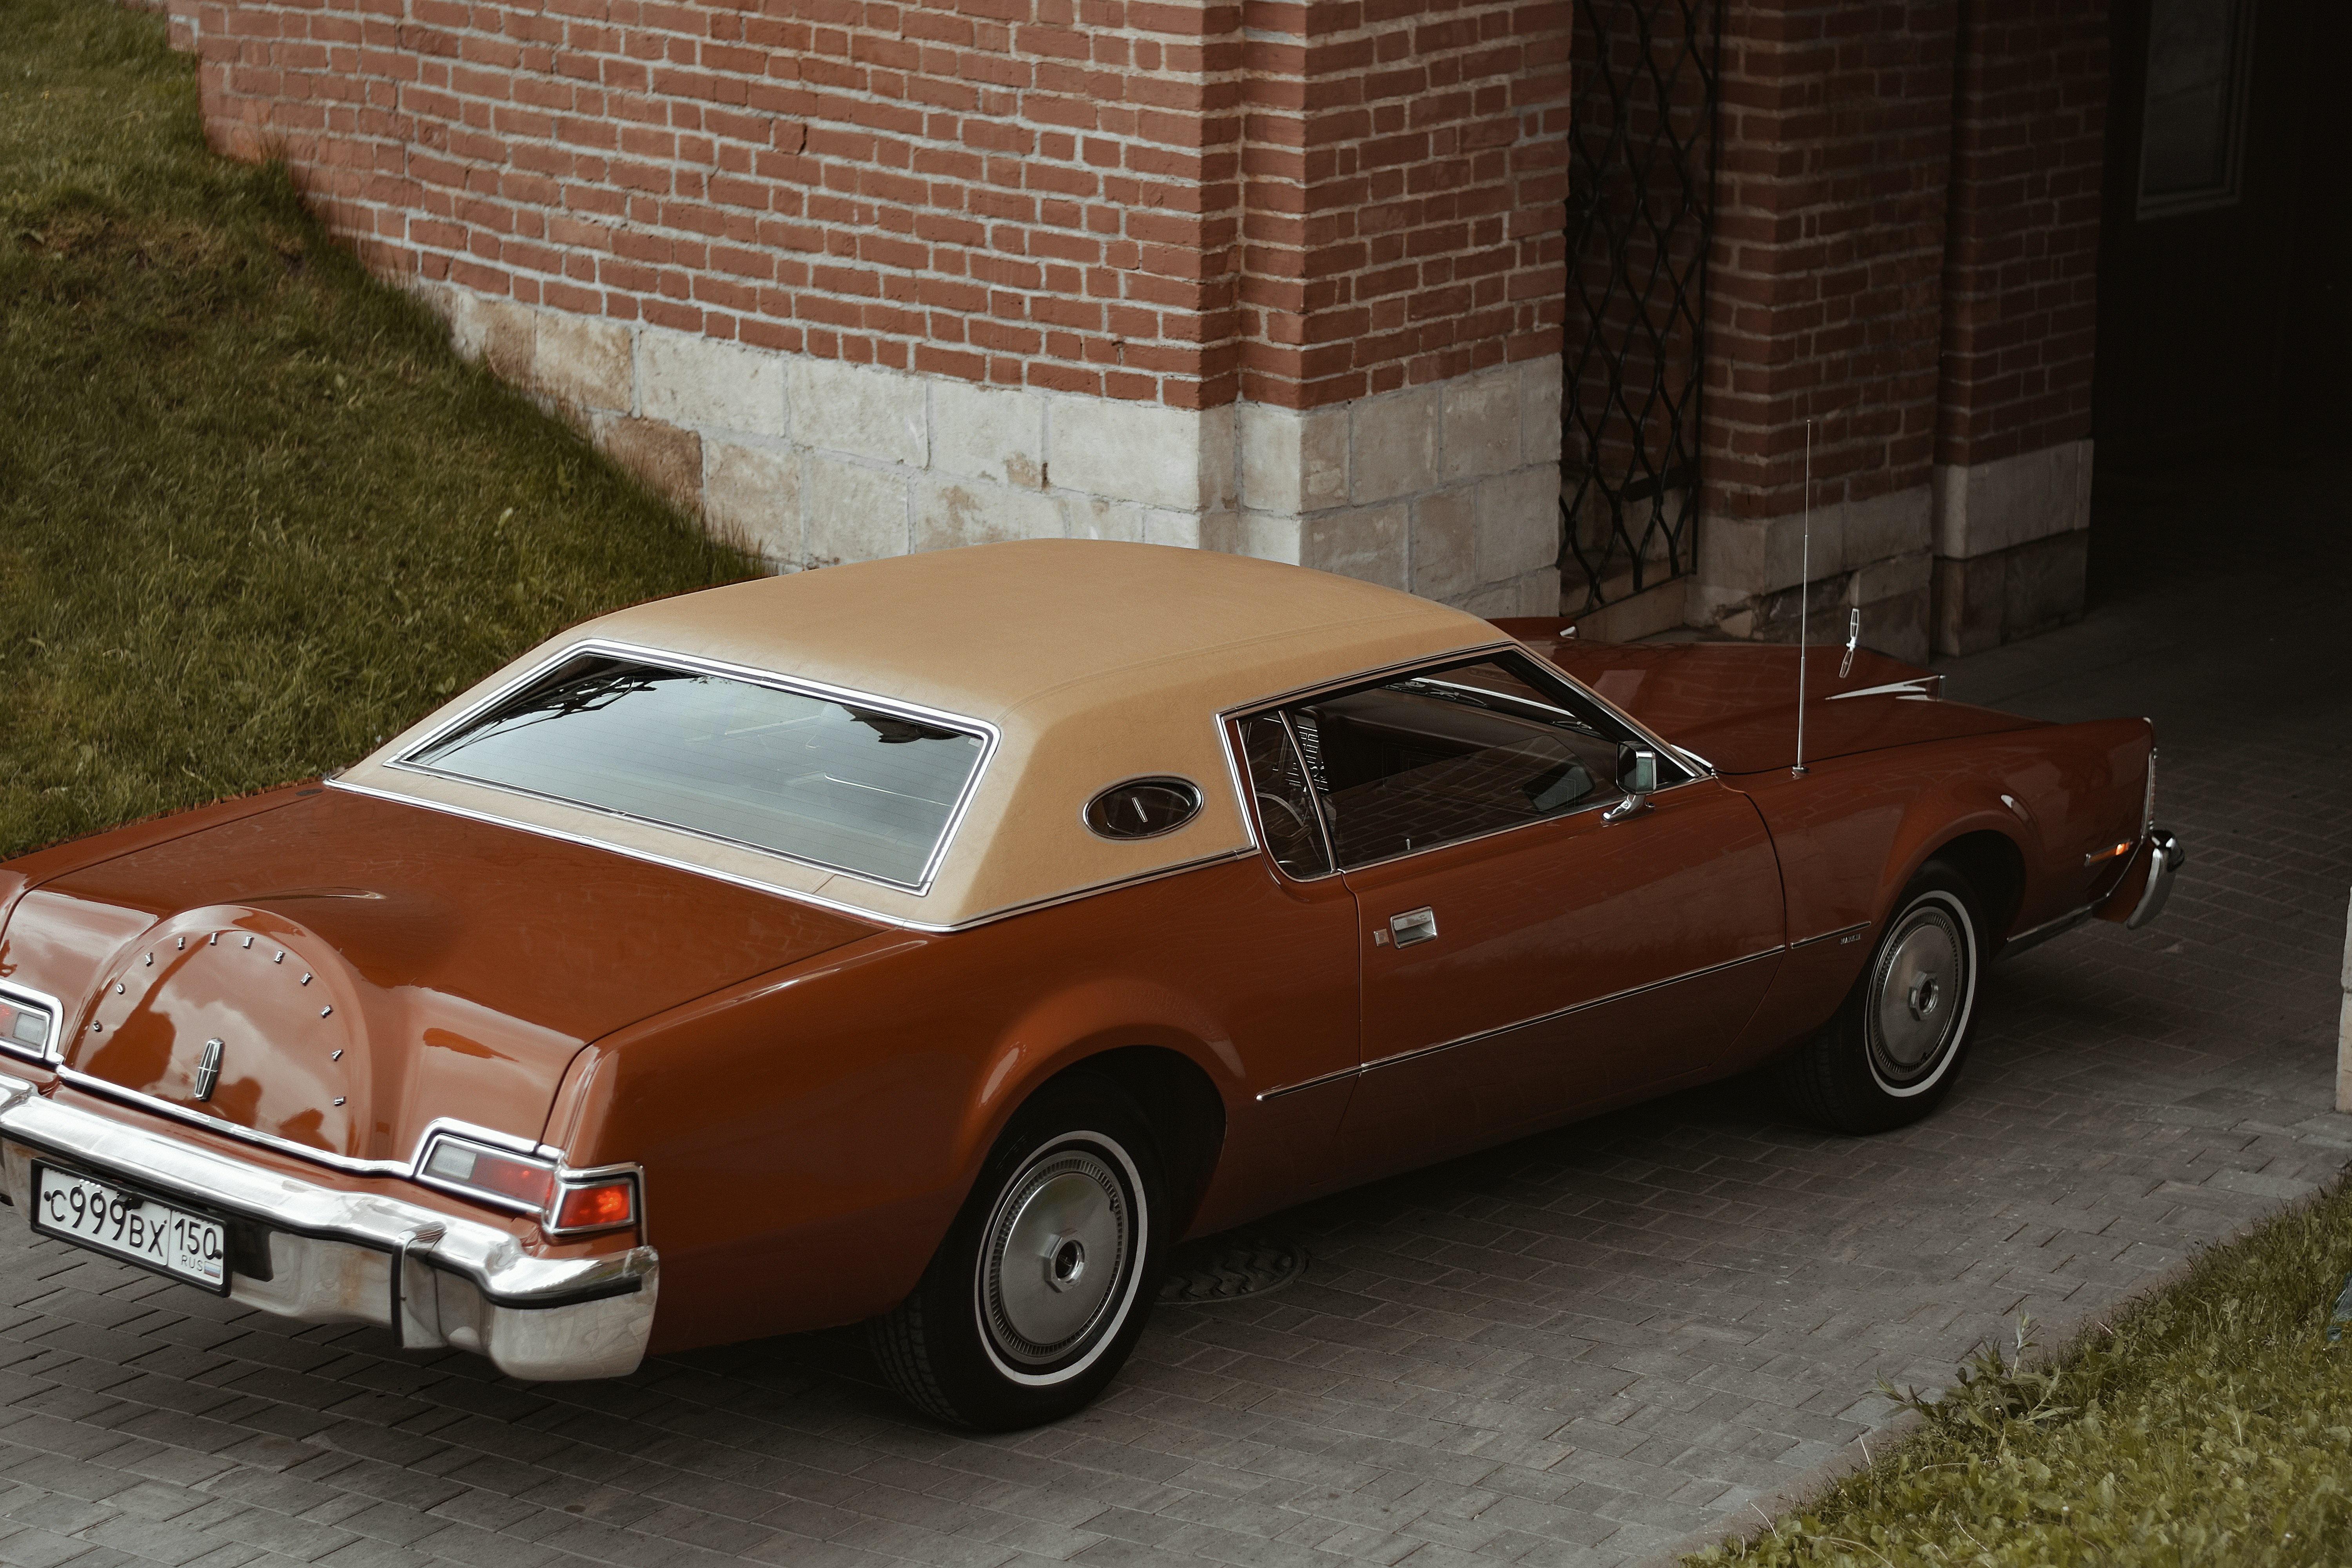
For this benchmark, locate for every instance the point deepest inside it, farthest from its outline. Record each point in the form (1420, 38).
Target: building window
(2192, 138)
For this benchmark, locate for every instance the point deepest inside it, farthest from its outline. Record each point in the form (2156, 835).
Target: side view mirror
(1637, 776)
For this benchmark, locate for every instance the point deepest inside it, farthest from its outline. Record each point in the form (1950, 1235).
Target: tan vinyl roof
(1095, 661)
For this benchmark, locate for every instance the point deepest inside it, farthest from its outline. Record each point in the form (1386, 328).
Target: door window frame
(1693, 767)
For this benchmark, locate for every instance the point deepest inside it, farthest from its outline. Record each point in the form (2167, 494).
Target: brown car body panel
(810, 1095)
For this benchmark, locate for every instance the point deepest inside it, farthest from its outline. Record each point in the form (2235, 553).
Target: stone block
(1518, 525)
(1138, 452)
(1090, 517)
(1982, 507)
(701, 384)
(1445, 544)
(1290, 461)
(2043, 583)
(851, 512)
(1218, 529)
(1897, 626)
(988, 433)
(1367, 544)
(499, 332)
(1890, 578)
(859, 409)
(584, 362)
(751, 497)
(1531, 594)
(1741, 556)
(1221, 458)
(1393, 446)
(1964, 613)
(1479, 424)
(950, 512)
(667, 458)
(1540, 395)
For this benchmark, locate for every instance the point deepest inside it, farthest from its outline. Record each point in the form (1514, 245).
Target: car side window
(1284, 797)
(1444, 755)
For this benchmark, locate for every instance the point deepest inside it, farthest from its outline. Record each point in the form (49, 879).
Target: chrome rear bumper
(2164, 859)
(323, 1255)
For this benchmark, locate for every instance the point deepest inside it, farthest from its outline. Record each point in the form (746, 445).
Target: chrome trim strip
(1831, 935)
(52, 1053)
(1912, 690)
(988, 734)
(896, 923)
(131, 1096)
(2046, 929)
(1401, 1057)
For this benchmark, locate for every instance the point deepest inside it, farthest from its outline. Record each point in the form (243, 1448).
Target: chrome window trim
(52, 1053)
(1230, 719)
(989, 735)
(1401, 1057)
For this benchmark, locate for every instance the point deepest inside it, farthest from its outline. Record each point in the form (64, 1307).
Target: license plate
(104, 1218)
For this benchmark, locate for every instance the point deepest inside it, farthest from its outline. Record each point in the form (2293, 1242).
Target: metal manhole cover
(1229, 1268)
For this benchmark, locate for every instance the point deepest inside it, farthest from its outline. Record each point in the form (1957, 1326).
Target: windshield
(850, 788)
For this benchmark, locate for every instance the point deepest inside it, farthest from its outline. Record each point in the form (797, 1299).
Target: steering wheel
(1289, 810)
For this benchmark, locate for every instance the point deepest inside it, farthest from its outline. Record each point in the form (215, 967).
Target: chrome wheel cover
(1058, 1263)
(1921, 987)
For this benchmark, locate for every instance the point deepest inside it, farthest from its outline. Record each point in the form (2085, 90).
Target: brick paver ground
(1583, 1348)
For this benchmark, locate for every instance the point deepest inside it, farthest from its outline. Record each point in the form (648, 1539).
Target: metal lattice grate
(1641, 214)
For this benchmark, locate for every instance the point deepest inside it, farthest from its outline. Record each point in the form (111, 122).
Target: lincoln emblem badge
(208, 1070)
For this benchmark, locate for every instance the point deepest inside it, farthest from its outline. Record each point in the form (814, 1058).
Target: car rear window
(816, 779)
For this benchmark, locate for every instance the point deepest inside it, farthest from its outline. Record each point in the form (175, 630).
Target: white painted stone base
(1872, 555)
(2012, 543)
(1449, 491)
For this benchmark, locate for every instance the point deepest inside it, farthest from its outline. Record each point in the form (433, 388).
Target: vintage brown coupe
(933, 941)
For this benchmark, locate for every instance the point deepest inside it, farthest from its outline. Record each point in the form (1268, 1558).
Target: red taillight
(488, 1171)
(598, 1206)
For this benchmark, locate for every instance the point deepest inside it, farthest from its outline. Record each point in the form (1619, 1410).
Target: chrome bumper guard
(331, 1257)
(2164, 859)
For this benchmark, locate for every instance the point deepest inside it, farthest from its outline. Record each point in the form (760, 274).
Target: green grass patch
(253, 513)
(2210, 1424)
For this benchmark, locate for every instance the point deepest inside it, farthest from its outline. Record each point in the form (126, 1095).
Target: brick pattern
(2021, 272)
(1405, 169)
(1578, 1350)
(1836, 142)
(1030, 192)
(1045, 193)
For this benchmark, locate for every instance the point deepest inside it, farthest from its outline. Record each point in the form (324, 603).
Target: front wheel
(1041, 1288)
(1890, 1053)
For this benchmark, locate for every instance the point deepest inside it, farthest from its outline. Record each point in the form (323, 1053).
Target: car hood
(368, 967)
(1735, 704)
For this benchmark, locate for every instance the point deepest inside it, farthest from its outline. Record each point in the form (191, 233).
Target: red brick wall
(2020, 280)
(1042, 192)
(1035, 192)
(1406, 170)
(1836, 134)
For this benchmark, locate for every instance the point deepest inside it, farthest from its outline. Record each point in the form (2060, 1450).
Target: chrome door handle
(1412, 926)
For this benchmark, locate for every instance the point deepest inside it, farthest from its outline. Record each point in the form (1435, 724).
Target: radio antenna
(1804, 580)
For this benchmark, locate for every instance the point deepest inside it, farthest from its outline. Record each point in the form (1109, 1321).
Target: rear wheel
(1041, 1288)
(1890, 1053)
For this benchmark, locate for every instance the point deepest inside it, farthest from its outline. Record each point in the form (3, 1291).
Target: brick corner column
(2012, 471)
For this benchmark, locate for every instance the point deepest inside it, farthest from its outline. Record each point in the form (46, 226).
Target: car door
(1533, 941)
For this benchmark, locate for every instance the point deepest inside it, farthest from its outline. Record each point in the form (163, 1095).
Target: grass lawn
(253, 512)
(2210, 1424)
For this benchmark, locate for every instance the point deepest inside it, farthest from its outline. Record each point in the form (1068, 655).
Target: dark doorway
(2223, 224)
